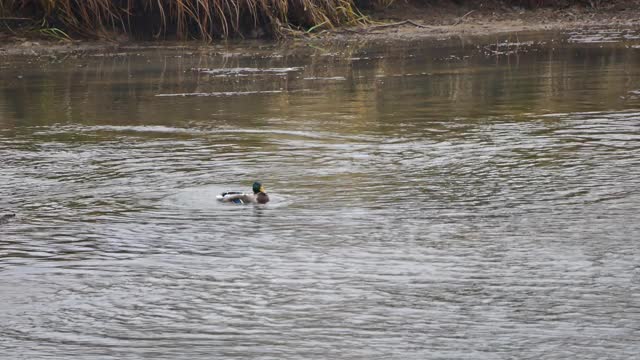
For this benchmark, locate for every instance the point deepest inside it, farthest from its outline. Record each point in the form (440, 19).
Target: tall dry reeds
(207, 19)
(203, 19)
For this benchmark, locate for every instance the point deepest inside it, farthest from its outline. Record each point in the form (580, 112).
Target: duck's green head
(257, 187)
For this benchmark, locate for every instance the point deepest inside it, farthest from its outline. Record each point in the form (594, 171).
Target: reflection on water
(430, 200)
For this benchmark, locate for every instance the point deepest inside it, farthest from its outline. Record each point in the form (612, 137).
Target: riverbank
(399, 22)
(412, 22)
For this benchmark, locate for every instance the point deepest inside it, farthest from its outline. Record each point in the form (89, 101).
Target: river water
(458, 199)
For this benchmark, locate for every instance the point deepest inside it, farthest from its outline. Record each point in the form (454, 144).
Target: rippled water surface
(453, 200)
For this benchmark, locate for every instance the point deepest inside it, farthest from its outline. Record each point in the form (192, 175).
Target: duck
(259, 196)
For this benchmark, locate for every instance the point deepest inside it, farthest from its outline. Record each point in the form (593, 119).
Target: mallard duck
(259, 196)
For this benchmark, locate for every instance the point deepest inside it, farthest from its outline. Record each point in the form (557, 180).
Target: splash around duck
(259, 196)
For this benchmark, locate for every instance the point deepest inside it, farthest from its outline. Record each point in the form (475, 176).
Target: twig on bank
(397, 24)
(462, 17)
(416, 24)
(383, 26)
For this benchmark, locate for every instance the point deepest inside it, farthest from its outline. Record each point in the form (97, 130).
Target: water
(442, 200)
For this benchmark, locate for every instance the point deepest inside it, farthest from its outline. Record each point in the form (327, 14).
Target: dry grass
(204, 19)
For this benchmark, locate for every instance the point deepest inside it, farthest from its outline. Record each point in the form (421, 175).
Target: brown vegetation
(208, 19)
(181, 18)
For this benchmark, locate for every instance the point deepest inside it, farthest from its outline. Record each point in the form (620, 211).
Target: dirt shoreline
(422, 22)
(401, 23)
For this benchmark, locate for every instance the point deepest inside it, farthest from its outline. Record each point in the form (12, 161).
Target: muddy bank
(414, 22)
(400, 22)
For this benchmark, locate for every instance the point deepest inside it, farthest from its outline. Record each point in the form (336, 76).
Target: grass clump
(183, 19)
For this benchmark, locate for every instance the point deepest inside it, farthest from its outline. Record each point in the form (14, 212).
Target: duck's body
(259, 196)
